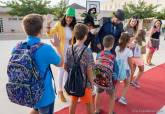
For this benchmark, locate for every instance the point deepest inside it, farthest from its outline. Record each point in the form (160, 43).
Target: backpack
(103, 70)
(25, 86)
(75, 84)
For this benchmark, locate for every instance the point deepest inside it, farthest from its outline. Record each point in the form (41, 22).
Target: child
(108, 43)
(44, 56)
(123, 59)
(154, 41)
(137, 60)
(86, 64)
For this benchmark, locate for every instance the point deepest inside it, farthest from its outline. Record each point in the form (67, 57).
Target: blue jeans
(47, 109)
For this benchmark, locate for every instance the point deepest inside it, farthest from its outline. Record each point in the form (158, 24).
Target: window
(13, 18)
(1, 25)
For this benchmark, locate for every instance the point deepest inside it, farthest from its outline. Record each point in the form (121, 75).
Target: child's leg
(150, 57)
(132, 72)
(126, 87)
(72, 107)
(89, 107)
(141, 70)
(111, 102)
(97, 99)
(97, 102)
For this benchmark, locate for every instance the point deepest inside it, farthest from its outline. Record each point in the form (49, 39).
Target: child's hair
(140, 36)
(124, 40)
(159, 21)
(80, 30)
(108, 41)
(32, 24)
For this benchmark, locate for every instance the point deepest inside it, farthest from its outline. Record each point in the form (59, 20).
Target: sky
(80, 2)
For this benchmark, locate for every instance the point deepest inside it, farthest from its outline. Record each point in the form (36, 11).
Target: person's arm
(90, 63)
(90, 74)
(151, 32)
(56, 43)
(52, 31)
(130, 60)
(66, 60)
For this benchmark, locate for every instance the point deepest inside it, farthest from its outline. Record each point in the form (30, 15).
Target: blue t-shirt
(44, 56)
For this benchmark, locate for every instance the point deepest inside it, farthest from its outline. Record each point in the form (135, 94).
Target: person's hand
(49, 20)
(55, 41)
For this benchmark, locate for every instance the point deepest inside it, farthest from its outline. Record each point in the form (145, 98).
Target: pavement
(7, 42)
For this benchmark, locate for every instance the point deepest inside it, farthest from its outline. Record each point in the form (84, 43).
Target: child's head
(32, 24)
(108, 41)
(80, 32)
(124, 41)
(140, 36)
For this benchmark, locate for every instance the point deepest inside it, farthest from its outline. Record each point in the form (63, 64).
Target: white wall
(9, 25)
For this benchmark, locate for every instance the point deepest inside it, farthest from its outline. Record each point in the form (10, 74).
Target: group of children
(128, 56)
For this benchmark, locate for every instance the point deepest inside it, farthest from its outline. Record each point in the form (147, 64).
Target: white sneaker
(123, 101)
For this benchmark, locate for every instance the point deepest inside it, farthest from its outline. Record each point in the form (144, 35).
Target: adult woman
(153, 43)
(63, 29)
(132, 26)
(91, 38)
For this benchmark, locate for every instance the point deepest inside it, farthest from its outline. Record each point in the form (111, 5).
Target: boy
(86, 64)
(108, 43)
(44, 56)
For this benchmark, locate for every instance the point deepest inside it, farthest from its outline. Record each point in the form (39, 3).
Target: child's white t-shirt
(124, 55)
(137, 51)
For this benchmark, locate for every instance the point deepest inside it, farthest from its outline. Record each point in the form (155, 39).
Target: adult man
(112, 26)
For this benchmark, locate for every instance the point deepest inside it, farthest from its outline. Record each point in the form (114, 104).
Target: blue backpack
(25, 86)
(75, 84)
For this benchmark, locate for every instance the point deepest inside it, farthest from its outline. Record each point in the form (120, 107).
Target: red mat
(146, 100)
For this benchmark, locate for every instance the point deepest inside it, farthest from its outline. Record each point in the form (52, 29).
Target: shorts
(137, 61)
(108, 91)
(153, 45)
(46, 110)
(87, 98)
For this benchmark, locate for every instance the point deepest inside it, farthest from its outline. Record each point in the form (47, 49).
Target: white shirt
(137, 51)
(124, 55)
(68, 37)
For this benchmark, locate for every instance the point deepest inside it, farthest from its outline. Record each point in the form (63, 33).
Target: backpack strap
(79, 58)
(81, 54)
(34, 47)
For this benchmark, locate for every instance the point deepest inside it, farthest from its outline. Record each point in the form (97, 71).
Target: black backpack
(75, 84)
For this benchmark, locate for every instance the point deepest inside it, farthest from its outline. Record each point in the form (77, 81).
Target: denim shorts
(47, 109)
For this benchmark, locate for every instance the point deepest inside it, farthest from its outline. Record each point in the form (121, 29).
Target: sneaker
(135, 84)
(123, 101)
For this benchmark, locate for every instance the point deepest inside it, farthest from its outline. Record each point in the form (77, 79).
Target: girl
(137, 60)
(154, 41)
(63, 29)
(123, 59)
